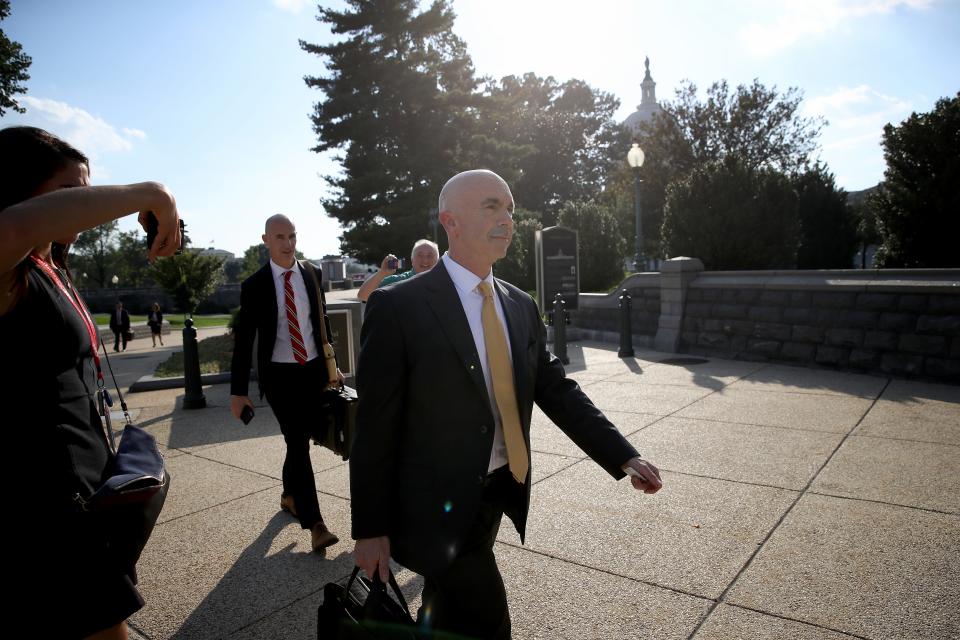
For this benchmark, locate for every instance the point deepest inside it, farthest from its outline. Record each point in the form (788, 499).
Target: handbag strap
(321, 300)
(377, 584)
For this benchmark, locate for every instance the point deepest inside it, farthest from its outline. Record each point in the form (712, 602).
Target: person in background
(120, 325)
(424, 256)
(49, 341)
(281, 308)
(155, 322)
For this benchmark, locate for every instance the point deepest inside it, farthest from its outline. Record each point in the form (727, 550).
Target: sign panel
(558, 268)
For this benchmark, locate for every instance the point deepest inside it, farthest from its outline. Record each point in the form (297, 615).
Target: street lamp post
(635, 160)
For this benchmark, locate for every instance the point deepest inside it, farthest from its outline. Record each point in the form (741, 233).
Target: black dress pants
(117, 337)
(292, 394)
(469, 598)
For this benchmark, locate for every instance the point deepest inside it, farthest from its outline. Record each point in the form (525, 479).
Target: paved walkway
(797, 503)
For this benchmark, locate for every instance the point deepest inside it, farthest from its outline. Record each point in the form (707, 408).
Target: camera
(152, 226)
(395, 264)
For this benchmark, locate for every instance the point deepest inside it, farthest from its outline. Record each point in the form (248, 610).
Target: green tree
(601, 247)
(13, 67)
(94, 253)
(130, 259)
(828, 235)
(567, 140)
(863, 210)
(732, 216)
(399, 107)
(518, 266)
(254, 257)
(188, 278)
(918, 203)
(756, 126)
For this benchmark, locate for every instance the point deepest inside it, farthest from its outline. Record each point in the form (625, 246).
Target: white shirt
(282, 351)
(466, 283)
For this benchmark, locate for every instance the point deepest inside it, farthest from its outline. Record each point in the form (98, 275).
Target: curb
(153, 383)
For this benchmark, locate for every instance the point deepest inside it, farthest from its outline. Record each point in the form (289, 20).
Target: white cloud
(87, 132)
(135, 133)
(851, 141)
(293, 6)
(802, 18)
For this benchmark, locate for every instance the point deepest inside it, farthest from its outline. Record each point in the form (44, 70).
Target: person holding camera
(424, 256)
(49, 341)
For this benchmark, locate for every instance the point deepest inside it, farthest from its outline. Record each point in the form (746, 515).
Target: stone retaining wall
(896, 322)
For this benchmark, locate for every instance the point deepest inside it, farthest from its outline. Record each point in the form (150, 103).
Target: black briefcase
(363, 609)
(337, 419)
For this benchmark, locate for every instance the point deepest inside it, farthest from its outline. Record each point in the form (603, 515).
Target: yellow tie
(501, 373)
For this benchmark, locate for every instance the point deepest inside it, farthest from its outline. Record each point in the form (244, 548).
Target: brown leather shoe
(321, 537)
(286, 504)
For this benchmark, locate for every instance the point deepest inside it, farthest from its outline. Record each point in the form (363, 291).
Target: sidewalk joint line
(803, 622)
(885, 503)
(608, 572)
(783, 516)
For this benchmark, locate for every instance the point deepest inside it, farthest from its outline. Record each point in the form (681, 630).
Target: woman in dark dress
(155, 321)
(57, 449)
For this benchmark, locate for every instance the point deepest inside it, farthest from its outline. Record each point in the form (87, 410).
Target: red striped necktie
(296, 338)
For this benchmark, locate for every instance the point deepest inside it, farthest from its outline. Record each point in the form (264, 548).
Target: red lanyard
(78, 305)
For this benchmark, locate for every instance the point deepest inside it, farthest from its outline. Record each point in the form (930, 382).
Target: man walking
(120, 325)
(280, 305)
(451, 363)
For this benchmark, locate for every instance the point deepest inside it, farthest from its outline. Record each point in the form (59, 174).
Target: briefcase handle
(377, 584)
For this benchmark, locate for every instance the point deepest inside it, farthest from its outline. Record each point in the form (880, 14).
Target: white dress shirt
(466, 283)
(282, 351)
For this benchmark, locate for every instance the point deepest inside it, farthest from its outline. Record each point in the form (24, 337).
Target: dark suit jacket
(424, 424)
(258, 318)
(123, 325)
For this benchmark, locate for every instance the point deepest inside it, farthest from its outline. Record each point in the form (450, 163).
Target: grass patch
(176, 322)
(215, 356)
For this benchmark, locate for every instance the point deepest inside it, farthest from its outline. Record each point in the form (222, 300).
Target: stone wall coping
(847, 280)
(650, 280)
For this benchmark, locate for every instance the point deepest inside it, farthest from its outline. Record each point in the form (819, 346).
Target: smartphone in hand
(247, 414)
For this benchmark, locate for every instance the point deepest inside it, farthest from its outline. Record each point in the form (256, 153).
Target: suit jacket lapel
(315, 315)
(270, 313)
(444, 301)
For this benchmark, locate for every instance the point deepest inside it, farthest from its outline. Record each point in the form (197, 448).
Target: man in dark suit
(120, 325)
(451, 362)
(280, 305)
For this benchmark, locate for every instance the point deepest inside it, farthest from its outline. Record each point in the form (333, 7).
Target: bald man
(451, 363)
(279, 305)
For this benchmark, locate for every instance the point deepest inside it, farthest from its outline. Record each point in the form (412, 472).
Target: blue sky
(208, 96)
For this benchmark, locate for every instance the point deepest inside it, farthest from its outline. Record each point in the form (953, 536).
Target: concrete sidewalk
(797, 503)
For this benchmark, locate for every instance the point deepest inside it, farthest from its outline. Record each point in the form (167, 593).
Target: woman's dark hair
(30, 157)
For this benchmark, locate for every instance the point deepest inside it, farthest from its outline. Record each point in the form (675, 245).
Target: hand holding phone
(247, 414)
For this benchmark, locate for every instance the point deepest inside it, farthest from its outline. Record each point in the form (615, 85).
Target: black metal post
(560, 329)
(639, 263)
(626, 333)
(193, 398)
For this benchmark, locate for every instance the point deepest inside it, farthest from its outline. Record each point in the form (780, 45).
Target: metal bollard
(560, 329)
(193, 398)
(626, 333)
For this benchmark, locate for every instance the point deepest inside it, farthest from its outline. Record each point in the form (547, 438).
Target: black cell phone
(246, 415)
(152, 226)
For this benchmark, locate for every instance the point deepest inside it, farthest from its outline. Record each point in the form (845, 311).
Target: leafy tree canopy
(918, 203)
(732, 216)
(600, 245)
(13, 67)
(828, 234)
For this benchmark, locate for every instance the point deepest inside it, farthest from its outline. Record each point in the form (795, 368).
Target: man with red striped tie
(279, 305)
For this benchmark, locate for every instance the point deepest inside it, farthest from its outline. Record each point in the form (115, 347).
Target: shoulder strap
(321, 300)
